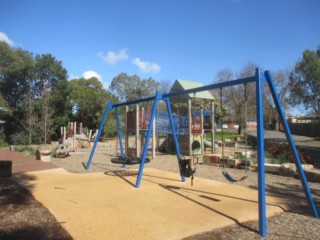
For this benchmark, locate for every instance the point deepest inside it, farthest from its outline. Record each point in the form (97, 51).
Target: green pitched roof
(180, 85)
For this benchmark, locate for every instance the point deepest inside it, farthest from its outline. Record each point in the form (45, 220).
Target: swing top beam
(192, 90)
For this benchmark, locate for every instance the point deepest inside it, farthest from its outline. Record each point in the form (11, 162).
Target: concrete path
(108, 206)
(302, 141)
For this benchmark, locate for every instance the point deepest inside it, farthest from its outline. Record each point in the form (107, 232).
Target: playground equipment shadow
(108, 206)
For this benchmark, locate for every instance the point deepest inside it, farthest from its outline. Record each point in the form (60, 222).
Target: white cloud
(146, 66)
(112, 57)
(72, 76)
(90, 74)
(5, 38)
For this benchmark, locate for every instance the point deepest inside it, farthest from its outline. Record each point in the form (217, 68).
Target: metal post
(175, 139)
(127, 137)
(137, 131)
(292, 146)
(260, 144)
(154, 139)
(108, 107)
(213, 127)
(119, 131)
(190, 132)
(202, 131)
(157, 97)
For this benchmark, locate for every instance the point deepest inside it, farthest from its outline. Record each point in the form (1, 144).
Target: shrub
(3, 143)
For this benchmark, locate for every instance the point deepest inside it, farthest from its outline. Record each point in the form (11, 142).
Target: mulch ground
(22, 216)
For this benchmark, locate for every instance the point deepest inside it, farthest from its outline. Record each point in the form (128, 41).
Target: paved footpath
(22, 163)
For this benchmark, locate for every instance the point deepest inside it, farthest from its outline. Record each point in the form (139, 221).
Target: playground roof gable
(180, 85)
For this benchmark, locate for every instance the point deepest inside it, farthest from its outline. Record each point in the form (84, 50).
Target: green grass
(317, 139)
(3, 143)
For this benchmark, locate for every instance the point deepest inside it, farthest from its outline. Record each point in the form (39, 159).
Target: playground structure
(73, 136)
(191, 133)
(259, 78)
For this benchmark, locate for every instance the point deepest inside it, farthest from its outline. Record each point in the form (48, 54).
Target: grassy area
(3, 143)
(226, 135)
(317, 139)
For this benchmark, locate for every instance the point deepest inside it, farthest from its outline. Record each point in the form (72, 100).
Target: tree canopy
(129, 88)
(305, 82)
(27, 84)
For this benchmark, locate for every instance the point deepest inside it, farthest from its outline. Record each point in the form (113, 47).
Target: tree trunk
(240, 129)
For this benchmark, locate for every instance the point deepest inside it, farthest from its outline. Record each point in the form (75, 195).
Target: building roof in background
(180, 85)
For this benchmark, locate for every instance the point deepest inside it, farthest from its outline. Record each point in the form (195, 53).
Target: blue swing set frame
(259, 78)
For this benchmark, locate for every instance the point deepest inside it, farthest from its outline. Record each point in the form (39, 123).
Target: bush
(3, 143)
(283, 154)
(25, 149)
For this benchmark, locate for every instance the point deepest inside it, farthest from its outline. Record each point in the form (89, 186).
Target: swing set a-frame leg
(292, 146)
(105, 114)
(174, 134)
(157, 98)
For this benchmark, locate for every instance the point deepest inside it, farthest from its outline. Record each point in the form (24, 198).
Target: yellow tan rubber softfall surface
(108, 206)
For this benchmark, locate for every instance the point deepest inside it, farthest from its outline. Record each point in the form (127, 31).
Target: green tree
(48, 73)
(16, 74)
(129, 88)
(305, 82)
(26, 84)
(60, 103)
(89, 100)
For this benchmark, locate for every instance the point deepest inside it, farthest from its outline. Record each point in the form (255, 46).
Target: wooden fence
(311, 129)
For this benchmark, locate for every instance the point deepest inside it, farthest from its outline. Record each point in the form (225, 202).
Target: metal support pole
(127, 133)
(137, 131)
(260, 144)
(108, 107)
(213, 128)
(190, 132)
(175, 139)
(119, 131)
(292, 146)
(157, 97)
(154, 139)
(202, 131)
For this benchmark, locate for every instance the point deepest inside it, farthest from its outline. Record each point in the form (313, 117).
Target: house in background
(312, 117)
(308, 125)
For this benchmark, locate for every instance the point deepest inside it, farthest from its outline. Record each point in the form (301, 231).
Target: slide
(196, 147)
(208, 144)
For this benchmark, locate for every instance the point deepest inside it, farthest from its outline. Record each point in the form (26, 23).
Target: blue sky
(165, 40)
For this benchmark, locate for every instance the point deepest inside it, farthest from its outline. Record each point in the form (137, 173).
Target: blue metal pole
(157, 97)
(260, 144)
(108, 107)
(292, 146)
(175, 139)
(193, 90)
(119, 134)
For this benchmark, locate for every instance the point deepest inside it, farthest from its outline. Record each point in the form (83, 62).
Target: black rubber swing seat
(231, 179)
(128, 161)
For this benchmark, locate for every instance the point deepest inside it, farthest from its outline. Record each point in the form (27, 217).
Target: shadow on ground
(22, 217)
